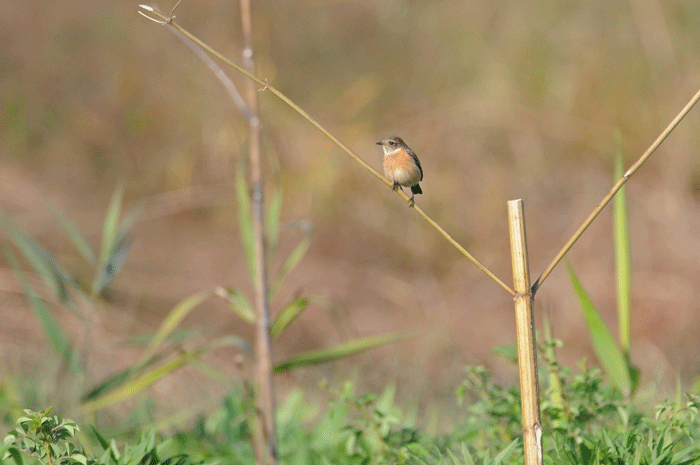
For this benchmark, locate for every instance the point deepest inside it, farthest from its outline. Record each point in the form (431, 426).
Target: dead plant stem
(652, 148)
(266, 442)
(267, 87)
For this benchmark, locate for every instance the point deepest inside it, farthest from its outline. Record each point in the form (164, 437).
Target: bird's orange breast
(400, 167)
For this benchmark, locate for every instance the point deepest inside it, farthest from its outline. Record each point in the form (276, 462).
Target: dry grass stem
(265, 85)
(652, 148)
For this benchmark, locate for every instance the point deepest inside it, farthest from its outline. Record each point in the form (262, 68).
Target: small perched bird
(401, 166)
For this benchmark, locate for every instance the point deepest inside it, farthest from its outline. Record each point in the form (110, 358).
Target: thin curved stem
(265, 86)
(620, 182)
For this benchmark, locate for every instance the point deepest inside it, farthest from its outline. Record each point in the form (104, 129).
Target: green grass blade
(43, 262)
(119, 251)
(140, 383)
(116, 242)
(114, 264)
(238, 302)
(608, 352)
(171, 322)
(59, 278)
(108, 385)
(274, 212)
(356, 346)
(128, 221)
(231, 341)
(52, 330)
(118, 379)
(466, 455)
(245, 222)
(293, 259)
(623, 260)
(99, 438)
(505, 454)
(75, 236)
(287, 315)
(555, 388)
(111, 224)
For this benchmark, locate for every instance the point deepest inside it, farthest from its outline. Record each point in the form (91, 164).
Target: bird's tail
(416, 189)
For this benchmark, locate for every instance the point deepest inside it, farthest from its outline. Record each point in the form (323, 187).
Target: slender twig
(620, 182)
(266, 86)
(266, 442)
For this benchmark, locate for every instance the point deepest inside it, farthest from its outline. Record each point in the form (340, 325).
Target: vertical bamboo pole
(265, 443)
(525, 322)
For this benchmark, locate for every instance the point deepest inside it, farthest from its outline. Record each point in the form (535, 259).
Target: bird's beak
(380, 143)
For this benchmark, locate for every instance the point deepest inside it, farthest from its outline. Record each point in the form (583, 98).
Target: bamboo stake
(525, 322)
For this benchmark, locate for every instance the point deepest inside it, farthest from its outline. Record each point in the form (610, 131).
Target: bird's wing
(415, 158)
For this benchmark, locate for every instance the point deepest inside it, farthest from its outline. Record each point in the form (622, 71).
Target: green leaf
(52, 330)
(75, 236)
(245, 222)
(116, 380)
(231, 341)
(15, 454)
(140, 383)
(505, 454)
(237, 302)
(287, 315)
(274, 212)
(291, 262)
(99, 437)
(114, 264)
(128, 221)
(623, 260)
(171, 322)
(356, 346)
(116, 242)
(453, 458)
(466, 455)
(508, 352)
(145, 380)
(110, 225)
(41, 260)
(80, 458)
(556, 396)
(607, 351)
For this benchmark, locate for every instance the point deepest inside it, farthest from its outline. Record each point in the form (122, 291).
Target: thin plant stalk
(266, 442)
(162, 19)
(618, 185)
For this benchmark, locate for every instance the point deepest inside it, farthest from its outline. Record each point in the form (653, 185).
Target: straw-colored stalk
(525, 322)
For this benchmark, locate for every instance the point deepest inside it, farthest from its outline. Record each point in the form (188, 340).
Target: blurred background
(501, 100)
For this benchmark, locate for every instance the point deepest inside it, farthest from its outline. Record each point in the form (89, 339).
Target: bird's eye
(391, 142)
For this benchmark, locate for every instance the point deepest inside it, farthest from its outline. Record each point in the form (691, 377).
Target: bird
(401, 166)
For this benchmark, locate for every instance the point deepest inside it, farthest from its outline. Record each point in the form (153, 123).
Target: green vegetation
(614, 358)
(560, 104)
(594, 424)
